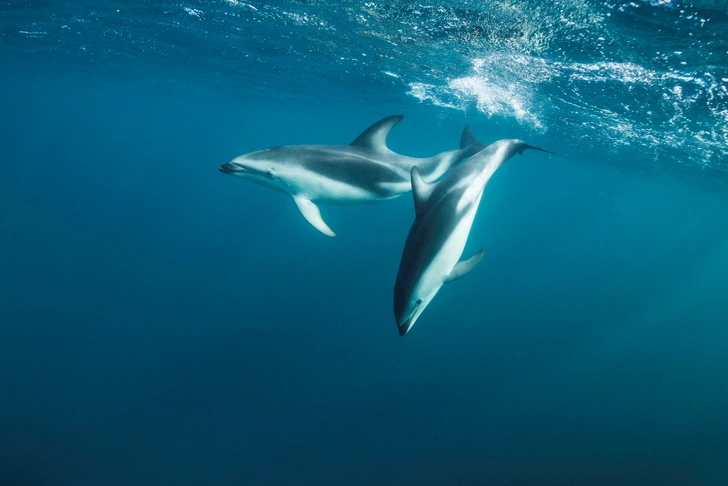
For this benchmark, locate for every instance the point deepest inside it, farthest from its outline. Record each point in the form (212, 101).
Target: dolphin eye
(418, 301)
(269, 173)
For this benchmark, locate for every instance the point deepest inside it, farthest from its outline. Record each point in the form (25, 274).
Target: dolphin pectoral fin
(421, 190)
(375, 137)
(464, 267)
(313, 215)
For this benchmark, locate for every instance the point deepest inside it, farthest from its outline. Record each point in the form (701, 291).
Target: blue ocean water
(163, 323)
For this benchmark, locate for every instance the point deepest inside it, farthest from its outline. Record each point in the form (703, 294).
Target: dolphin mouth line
(407, 324)
(230, 168)
(404, 327)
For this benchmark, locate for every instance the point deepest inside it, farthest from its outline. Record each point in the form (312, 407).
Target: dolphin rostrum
(444, 214)
(365, 171)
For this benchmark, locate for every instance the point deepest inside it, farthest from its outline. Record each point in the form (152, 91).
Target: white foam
(595, 101)
(493, 89)
(194, 12)
(38, 33)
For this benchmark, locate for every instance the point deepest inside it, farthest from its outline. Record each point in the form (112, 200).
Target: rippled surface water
(649, 77)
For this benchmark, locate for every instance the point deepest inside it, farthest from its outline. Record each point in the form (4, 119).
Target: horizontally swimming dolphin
(366, 171)
(444, 215)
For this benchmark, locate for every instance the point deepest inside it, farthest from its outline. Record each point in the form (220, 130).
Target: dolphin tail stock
(469, 142)
(436, 166)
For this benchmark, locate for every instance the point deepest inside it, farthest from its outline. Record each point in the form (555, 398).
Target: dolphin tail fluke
(533, 147)
(469, 143)
(468, 140)
(313, 215)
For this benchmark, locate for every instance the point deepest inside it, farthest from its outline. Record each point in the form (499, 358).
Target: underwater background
(162, 323)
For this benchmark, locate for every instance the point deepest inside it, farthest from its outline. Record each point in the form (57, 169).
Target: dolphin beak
(230, 168)
(405, 327)
(408, 323)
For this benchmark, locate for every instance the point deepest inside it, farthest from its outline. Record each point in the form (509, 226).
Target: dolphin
(444, 214)
(365, 171)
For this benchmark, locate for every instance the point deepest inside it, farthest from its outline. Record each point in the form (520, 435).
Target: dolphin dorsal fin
(421, 190)
(375, 137)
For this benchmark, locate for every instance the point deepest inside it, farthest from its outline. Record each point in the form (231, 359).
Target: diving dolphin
(444, 214)
(366, 171)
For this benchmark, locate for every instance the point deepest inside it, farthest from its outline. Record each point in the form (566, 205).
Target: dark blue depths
(165, 324)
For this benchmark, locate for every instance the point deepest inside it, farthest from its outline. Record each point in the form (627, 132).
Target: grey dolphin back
(375, 137)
